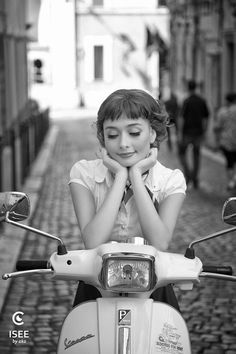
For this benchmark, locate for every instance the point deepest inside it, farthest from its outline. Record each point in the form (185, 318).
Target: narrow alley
(210, 309)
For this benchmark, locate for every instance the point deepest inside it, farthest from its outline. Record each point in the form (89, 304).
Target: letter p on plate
(124, 317)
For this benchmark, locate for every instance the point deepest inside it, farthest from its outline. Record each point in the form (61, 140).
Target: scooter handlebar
(32, 264)
(226, 270)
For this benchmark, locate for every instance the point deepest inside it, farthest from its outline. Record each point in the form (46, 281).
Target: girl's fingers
(103, 153)
(99, 153)
(154, 152)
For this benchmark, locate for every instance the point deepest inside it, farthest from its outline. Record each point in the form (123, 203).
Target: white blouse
(161, 181)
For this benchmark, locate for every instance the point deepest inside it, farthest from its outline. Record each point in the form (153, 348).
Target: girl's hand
(144, 165)
(112, 164)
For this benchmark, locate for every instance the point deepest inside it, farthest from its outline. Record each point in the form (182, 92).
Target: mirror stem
(61, 247)
(215, 234)
(190, 251)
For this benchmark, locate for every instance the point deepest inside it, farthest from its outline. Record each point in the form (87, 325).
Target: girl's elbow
(88, 243)
(163, 245)
(163, 242)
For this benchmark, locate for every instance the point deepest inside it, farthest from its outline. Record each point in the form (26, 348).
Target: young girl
(127, 193)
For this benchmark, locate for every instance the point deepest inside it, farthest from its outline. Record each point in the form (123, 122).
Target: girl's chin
(127, 163)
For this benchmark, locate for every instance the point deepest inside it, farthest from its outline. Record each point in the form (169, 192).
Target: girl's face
(128, 140)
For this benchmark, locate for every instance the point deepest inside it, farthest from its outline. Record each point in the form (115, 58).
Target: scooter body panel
(79, 333)
(124, 326)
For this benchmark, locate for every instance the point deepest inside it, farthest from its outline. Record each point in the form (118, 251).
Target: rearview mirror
(16, 204)
(229, 211)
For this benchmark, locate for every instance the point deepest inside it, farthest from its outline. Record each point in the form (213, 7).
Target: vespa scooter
(125, 320)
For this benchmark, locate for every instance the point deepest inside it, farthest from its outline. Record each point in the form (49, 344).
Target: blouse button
(123, 226)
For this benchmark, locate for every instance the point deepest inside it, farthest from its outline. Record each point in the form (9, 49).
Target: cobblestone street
(210, 309)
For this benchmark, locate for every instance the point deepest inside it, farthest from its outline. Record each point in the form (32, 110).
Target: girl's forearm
(99, 229)
(153, 228)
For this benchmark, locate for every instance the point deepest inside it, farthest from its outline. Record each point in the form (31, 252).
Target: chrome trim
(129, 256)
(26, 272)
(209, 237)
(124, 340)
(217, 276)
(224, 206)
(136, 241)
(29, 228)
(132, 255)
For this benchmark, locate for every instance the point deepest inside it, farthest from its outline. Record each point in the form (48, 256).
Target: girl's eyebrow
(128, 125)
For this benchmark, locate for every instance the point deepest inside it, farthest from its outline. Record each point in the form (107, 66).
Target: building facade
(51, 58)
(203, 48)
(119, 46)
(18, 25)
(94, 47)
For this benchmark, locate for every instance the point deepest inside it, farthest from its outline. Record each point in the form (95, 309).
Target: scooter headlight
(128, 273)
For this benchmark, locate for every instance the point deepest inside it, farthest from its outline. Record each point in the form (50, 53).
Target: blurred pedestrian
(172, 109)
(194, 114)
(225, 130)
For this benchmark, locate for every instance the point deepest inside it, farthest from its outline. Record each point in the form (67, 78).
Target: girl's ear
(153, 135)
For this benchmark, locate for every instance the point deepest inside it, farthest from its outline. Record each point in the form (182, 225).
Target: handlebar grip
(31, 264)
(226, 270)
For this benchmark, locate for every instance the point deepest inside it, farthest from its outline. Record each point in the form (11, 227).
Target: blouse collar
(102, 173)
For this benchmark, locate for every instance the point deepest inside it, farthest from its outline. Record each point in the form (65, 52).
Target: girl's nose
(124, 140)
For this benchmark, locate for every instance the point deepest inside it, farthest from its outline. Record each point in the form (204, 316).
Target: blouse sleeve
(175, 183)
(81, 173)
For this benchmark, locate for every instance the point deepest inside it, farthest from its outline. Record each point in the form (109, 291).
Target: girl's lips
(126, 155)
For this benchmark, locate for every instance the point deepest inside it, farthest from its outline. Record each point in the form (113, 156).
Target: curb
(13, 238)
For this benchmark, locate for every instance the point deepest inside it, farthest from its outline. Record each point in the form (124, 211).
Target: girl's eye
(112, 136)
(134, 133)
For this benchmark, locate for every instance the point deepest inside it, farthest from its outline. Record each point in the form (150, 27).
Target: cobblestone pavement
(210, 309)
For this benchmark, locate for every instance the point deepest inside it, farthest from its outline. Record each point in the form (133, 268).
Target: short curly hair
(135, 104)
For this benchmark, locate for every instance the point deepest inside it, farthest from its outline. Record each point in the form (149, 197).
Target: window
(162, 3)
(98, 58)
(97, 2)
(38, 75)
(98, 62)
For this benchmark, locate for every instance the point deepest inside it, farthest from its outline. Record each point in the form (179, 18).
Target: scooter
(125, 320)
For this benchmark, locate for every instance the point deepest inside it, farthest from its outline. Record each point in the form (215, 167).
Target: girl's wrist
(122, 175)
(134, 173)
